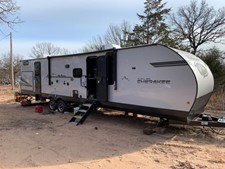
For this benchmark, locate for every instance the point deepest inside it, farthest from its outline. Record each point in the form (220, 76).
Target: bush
(214, 59)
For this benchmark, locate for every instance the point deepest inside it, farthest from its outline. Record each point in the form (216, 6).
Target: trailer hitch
(221, 120)
(208, 120)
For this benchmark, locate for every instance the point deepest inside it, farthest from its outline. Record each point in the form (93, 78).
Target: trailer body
(152, 79)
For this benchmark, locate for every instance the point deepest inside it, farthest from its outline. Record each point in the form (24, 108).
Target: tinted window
(77, 73)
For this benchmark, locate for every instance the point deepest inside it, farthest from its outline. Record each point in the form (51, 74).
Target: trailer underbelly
(150, 111)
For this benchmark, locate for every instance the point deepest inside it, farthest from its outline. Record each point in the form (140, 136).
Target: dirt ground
(107, 140)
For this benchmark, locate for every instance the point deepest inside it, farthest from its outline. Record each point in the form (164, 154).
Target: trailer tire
(61, 106)
(52, 104)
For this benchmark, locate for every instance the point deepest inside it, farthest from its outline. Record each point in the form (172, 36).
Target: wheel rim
(61, 106)
(52, 105)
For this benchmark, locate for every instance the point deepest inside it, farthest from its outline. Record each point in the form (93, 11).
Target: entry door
(102, 79)
(37, 77)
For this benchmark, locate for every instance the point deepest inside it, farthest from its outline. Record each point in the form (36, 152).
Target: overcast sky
(72, 23)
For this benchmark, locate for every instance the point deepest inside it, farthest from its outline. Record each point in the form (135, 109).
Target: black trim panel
(150, 111)
(115, 75)
(49, 71)
(169, 64)
(199, 105)
(66, 77)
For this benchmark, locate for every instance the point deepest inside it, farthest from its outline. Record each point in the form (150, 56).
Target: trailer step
(82, 111)
(86, 105)
(81, 115)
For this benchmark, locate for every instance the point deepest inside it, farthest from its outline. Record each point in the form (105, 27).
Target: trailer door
(102, 78)
(37, 77)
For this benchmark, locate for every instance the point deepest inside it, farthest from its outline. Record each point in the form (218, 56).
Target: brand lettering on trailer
(151, 81)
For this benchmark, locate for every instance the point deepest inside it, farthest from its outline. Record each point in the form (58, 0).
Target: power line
(5, 37)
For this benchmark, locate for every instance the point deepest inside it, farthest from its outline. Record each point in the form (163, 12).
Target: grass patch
(7, 89)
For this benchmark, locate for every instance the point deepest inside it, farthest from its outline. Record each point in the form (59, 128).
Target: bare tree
(118, 34)
(44, 49)
(8, 13)
(115, 34)
(199, 24)
(6, 65)
(94, 45)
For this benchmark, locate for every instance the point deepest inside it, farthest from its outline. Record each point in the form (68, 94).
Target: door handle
(99, 80)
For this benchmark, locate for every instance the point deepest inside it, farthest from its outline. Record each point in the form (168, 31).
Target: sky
(71, 24)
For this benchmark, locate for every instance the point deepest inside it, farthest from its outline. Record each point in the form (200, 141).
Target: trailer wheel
(52, 104)
(61, 106)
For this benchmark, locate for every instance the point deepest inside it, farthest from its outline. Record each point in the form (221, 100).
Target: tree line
(189, 28)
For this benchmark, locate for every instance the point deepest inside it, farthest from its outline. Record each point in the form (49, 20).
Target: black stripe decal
(169, 64)
(66, 77)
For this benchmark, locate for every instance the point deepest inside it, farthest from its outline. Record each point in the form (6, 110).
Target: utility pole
(11, 61)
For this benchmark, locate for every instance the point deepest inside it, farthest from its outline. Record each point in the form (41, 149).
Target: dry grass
(216, 102)
(7, 89)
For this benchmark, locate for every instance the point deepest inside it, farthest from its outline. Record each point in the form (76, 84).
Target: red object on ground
(24, 102)
(38, 108)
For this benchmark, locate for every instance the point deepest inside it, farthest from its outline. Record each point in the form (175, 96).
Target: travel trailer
(152, 80)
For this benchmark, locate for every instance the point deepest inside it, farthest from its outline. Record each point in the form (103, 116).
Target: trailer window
(111, 68)
(77, 72)
(25, 62)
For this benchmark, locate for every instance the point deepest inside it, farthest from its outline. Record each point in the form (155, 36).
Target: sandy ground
(107, 140)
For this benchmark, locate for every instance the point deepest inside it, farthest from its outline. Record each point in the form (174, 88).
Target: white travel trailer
(152, 79)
